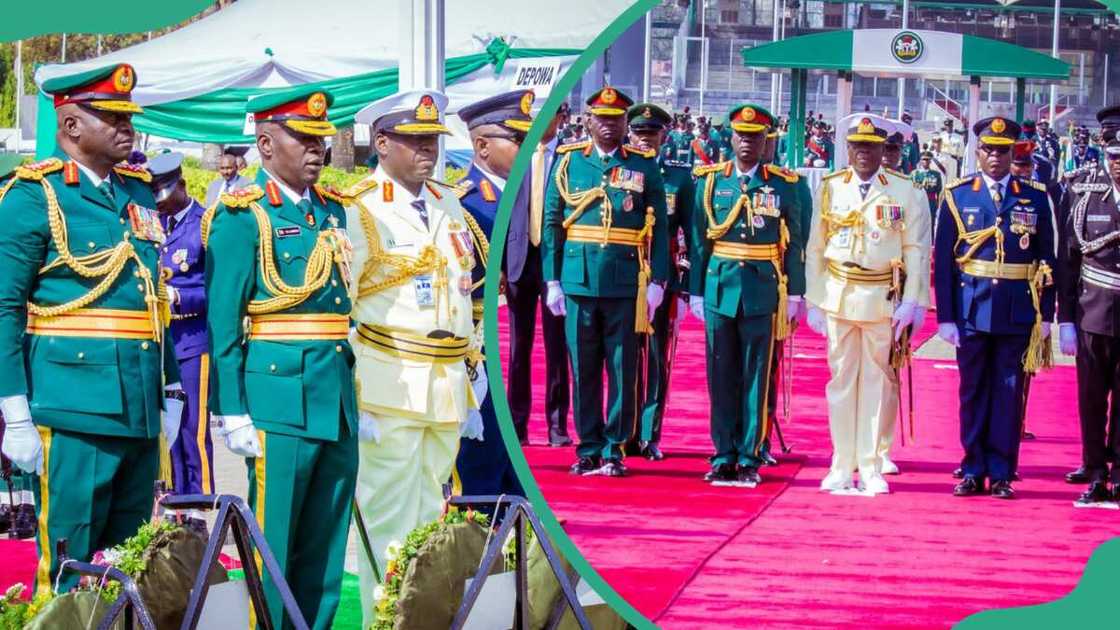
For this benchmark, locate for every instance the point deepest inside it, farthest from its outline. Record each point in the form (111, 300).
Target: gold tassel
(782, 327)
(642, 324)
(165, 462)
(1040, 352)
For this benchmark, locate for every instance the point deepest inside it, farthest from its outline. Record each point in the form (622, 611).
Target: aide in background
(229, 167)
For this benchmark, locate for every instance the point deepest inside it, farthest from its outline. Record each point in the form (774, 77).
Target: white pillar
(1104, 90)
(703, 54)
(1054, 53)
(902, 80)
(63, 48)
(973, 116)
(774, 75)
(646, 67)
(421, 52)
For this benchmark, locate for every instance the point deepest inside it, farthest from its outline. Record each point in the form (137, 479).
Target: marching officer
(995, 301)
(497, 126)
(183, 258)
(606, 261)
(867, 279)
(413, 258)
(746, 284)
(283, 393)
(648, 124)
(1088, 303)
(84, 367)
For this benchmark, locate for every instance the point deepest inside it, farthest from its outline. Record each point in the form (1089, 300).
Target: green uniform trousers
(301, 492)
(600, 332)
(655, 373)
(774, 393)
(739, 362)
(95, 492)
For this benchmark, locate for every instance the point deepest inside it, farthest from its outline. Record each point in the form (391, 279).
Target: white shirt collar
(292, 195)
(93, 177)
(601, 153)
(867, 181)
(749, 174)
(500, 182)
(988, 181)
(182, 213)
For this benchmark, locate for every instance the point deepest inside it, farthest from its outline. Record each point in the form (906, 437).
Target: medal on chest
(145, 223)
(888, 216)
(1024, 223)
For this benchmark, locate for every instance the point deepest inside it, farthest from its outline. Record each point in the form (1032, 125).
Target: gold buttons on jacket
(272, 368)
(145, 345)
(81, 355)
(91, 244)
(338, 300)
(287, 255)
(338, 348)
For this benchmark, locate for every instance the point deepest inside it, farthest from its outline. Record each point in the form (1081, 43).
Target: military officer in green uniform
(929, 181)
(747, 280)
(605, 253)
(283, 385)
(83, 313)
(648, 124)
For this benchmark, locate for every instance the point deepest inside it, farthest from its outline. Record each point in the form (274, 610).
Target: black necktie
(171, 223)
(863, 189)
(106, 188)
(422, 210)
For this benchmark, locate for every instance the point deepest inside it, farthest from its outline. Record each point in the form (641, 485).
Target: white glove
(920, 313)
(368, 429)
(1046, 330)
(471, 428)
(21, 444)
(817, 321)
(481, 383)
(1067, 339)
(682, 313)
(948, 331)
(696, 305)
(240, 435)
(554, 299)
(655, 293)
(172, 416)
(903, 316)
(172, 294)
(793, 307)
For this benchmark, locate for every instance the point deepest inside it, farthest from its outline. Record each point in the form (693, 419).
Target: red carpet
(916, 558)
(17, 563)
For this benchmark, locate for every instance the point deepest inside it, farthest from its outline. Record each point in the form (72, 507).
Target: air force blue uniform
(993, 312)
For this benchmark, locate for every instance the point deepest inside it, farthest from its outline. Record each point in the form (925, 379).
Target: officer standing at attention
(497, 126)
(606, 262)
(277, 253)
(417, 349)
(182, 259)
(929, 181)
(1088, 305)
(83, 312)
(995, 301)
(867, 278)
(648, 125)
(746, 284)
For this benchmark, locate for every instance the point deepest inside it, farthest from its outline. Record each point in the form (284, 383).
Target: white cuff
(15, 408)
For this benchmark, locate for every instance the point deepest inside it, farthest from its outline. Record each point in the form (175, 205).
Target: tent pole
(796, 117)
(63, 48)
(902, 80)
(1054, 53)
(1104, 91)
(774, 75)
(646, 69)
(18, 69)
(973, 116)
(1020, 97)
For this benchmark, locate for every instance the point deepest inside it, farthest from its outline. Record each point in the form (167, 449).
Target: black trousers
(1098, 401)
(991, 402)
(523, 298)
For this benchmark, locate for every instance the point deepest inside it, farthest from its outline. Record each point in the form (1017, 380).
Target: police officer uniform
(679, 199)
(417, 348)
(605, 249)
(1089, 314)
(747, 264)
(282, 386)
(84, 365)
(867, 270)
(483, 467)
(993, 259)
(182, 259)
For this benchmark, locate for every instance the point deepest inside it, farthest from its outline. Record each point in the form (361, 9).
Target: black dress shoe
(747, 477)
(586, 466)
(1002, 489)
(958, 473)
(611, 468)
(1097, 493)
(970, 486)
(768, 459)
(5, 517)
(1015, 476)
(1081, 475)
(652, 452)
(723, 475)
(24, 524)
(1027, 435)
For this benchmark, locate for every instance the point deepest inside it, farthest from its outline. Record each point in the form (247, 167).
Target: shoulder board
(789, 176)
(704, 169)
(330, 192)
(960, 181)
(573, 146)
(242, 197)
(835, 174)
(132, 170)
(463, 187)
(636, 151)
(1035, 185)
(1084, 187)
(438, 188)
(37, 170)
(361, 187)
(898, 174)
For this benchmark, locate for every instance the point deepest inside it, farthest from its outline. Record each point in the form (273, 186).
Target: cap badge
(999, 126)
(123, 79)
(748, 114)
(865, 126)
(427, 110)
(317, 104)
(527, 102)
(609, 96)
(647, 113)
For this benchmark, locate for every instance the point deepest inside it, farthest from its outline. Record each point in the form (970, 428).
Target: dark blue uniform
(994, 315)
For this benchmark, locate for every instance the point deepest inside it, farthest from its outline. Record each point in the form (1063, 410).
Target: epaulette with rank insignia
(789, 176)
(960, 181)
(898, 174)
(705, 169)
(573, 146)
(447, 188)
(638, 151)
(362, 187)
(329, 192)
(36, 170)
(463, 187)
(242, 197)
(833, 174)
(134, 170)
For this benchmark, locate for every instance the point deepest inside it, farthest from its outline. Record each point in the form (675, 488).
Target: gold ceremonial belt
(743, 251)
(105, 323)
(613, 236)
(416, 348)
(858, 275)
(299, 326)
(1005, 271)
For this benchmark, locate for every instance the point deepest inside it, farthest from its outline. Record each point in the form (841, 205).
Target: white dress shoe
(889, 467)
(836, 480)
(873, 484)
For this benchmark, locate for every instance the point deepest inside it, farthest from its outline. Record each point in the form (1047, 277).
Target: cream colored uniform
(848, 270)
(417, 400)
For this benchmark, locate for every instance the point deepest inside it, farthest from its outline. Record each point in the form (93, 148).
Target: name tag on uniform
(627, 179)
(843, 238)
(724, 192)
(1093, 218)
(286, 232)
(424, 294)
(145, 223)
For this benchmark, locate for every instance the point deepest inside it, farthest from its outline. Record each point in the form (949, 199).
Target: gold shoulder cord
(327, 252)
(403, 267)
(106, 265)
(720, 229)
(834, 223)
(976, 238)
(581, 201)
(482, 242)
